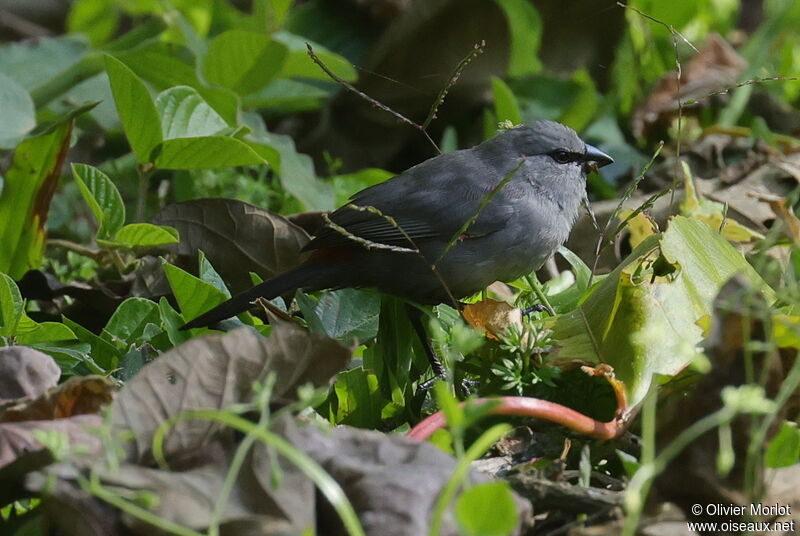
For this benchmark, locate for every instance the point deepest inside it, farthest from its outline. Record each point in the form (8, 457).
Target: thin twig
(366, 97)
(369, 244)
(456, 74)
(607, 238)
(414, 248)
(476, 50)
(742, 84)
(675, 34)
(80, 249)
(669, 27)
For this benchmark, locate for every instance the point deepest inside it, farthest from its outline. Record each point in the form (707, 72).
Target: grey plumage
(514, 233)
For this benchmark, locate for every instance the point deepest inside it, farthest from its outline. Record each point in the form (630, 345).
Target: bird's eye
(562, 156)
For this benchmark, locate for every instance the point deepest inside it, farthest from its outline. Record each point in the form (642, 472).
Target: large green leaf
(184, 114)
(135, 108)
(25, 199)
(243, 61)
(525, 30)
(103, 198)
(358, 398)
(145, 235)
(644, 324)
(15, 323)
(129, 321)
(194, 295)
(205, 152)
(17, 114)
(347, 315)
(164, 65)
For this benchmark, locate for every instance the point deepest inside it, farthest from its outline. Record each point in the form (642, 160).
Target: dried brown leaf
(217, 371)
(236, 237)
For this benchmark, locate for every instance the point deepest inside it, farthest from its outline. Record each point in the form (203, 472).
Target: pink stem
(529, 407)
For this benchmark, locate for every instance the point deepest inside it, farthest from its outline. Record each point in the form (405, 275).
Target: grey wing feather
(414, 201)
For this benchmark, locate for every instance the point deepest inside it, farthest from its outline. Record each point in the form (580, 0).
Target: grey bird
(450, 226)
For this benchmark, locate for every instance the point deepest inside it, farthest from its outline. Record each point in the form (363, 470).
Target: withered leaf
(216, 371)
(236, 237)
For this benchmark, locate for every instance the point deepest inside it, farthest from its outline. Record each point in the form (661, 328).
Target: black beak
(597, 157)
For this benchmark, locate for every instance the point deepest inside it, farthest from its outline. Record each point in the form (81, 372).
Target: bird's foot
(535, 308)
(464, 388)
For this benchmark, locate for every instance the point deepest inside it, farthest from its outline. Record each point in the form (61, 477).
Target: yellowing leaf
(712, 213)
(492, 316)
(639, 227)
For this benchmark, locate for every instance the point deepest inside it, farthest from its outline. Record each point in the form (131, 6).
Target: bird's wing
(430, 201)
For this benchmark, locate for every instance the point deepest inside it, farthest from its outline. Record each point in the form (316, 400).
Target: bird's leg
(415, 316)
(465, 387)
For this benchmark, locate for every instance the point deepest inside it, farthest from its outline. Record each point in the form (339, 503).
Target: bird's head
(561, 148)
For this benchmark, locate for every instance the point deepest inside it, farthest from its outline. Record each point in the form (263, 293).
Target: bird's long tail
(289, 281)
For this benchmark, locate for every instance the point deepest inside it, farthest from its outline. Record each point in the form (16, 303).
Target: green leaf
(17, 113)
(297, 173)
(644, 324)
(273, 11)
(346, 185)
(209, 274)
(164, 65)
(46, 332)
(284, 96)
(102, 351)
(707, 260)
(205, 152)
(98, 19)
(525, 29)
(487, 510)
(145, 235)
(171, 321)
(130, 319)
(358, 398)
(784, 449)
(10, 305)
(505, 103)
(103, 199)
(243, 61)
(51, 56)
(184, 114)
(135, 108)
(300, 65)
(584, 106)
(194, 295)
(347, 315)
(29, 186)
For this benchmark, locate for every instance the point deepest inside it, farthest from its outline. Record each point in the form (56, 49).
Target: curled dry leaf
(492, 317)
(25, 373)
(78, 395)
(716, 67)
(780, 206)
(236, 237)
(392, 483)
(217, 371)
(19, 438)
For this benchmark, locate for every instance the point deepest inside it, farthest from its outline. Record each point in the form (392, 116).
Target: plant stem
(533, 281)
